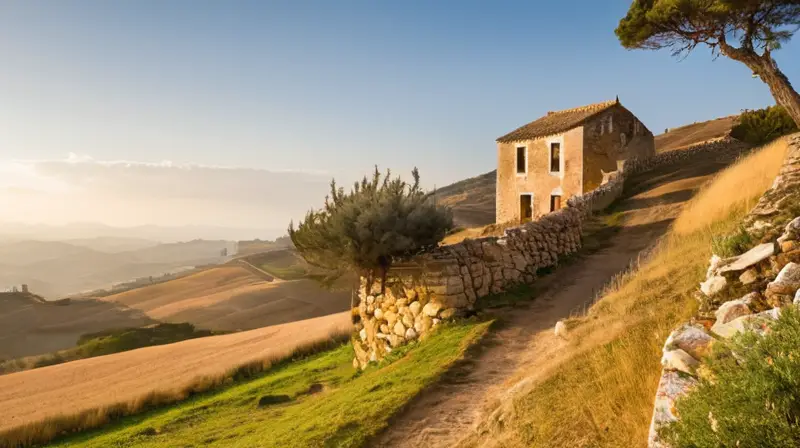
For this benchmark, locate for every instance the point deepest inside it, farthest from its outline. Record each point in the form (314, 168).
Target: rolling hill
(29, 326)
(473, 200)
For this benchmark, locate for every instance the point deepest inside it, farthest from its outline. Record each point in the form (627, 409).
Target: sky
(239, 113)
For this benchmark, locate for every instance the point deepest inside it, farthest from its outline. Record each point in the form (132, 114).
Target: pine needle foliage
(380, 220)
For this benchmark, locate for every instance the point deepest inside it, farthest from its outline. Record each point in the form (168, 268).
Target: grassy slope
(351, 407)
(605, 387)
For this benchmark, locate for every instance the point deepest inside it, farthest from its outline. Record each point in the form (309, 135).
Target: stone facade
(449, 280)
(739, 293)
(592, 140)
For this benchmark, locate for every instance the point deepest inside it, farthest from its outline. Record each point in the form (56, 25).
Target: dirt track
(449, 412)
(74, 386)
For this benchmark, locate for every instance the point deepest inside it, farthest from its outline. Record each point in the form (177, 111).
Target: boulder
(749, 276)
(691, 339)
(378, 313)
(713, 285)
(790, 246)
(408, 320)
(431, 309)
(399, 329)
(363, 334)
(411, 334)
(796, 300)
(731, 310)
(750, 258)
(787, 281)
(415, 308)
(757, 322)
(679, 360)
(370, 300)
(791, 231)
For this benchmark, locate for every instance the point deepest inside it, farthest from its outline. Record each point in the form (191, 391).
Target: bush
(751, 395)
(363, 231)
(763, 125)
(732, 245)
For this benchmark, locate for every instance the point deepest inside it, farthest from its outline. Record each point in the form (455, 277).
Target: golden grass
(40, 432)
(598, 391)
(747, 179)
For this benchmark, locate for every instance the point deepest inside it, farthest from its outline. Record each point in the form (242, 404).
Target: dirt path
(447, 413)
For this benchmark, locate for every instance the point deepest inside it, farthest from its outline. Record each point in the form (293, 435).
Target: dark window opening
(555, 202)
(555, 157)
(521, 160)
(525, 207)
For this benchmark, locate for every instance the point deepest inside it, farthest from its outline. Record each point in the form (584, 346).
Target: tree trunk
(767, 69)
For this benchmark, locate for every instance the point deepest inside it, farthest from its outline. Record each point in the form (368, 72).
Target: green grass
(351, 407)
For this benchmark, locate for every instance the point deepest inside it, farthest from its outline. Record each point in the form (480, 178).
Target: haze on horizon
(237, 114)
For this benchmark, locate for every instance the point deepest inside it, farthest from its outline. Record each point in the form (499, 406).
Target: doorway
(555, 202)
(525, 207)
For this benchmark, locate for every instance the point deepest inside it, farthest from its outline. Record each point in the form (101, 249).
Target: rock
(749, 276)
(672, 386)
(751, 257)
(431, 309)
(679, 360)
(796, 300)
(363, 334)
(787, 281)
(415, 308)
(390, 317)
(435, 322)
(731, 310)
(378, 313)
(791, 231)
(729, 329)
(758, 322)
(408, 321)
(691, 339)
(713, 285)
(395, 340)
(384, 329)
(355, 363)
(411, 334)
(399, 329)
(759, 224)
(370, 300)
(448, 313)
(790, 246)
(561, 329)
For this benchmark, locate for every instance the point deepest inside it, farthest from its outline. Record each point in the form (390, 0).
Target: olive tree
(364, 231)
(748, 31)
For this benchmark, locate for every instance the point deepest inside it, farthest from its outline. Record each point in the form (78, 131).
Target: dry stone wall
(446, 282)
(738, 293)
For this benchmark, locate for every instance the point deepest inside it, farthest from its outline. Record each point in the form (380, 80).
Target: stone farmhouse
(565, 153)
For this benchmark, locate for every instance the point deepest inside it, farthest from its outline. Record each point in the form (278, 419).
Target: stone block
(431, 309)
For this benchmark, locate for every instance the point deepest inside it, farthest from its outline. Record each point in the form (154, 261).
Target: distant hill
(54, 269)
(112, 245)
(29, 326)
(473, 200)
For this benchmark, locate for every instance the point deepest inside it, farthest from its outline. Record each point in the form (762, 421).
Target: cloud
(80, 188)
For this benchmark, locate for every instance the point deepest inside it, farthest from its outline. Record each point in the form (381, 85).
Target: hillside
(473, 199)
(30, 327)
(105, 380)
(232, 297)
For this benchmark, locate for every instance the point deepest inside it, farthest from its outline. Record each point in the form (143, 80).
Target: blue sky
(331, 88)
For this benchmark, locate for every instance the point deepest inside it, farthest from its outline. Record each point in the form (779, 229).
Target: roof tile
(556, 122)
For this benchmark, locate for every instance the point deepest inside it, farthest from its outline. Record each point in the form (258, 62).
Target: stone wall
(448, 281)
(738, 292)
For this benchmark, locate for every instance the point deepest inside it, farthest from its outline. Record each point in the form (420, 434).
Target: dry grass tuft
(736, 188)
(604, 378)
(37, 433)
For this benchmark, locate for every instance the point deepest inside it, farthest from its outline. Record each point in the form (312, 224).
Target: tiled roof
(556, 122)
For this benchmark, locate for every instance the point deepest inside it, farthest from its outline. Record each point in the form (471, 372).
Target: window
(555, 157)
(522, 167)
(525, 207)
(623, 139)
(610, 124)
(555, 202)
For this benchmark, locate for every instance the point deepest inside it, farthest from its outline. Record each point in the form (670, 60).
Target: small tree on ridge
(379, 220)
(759, 26)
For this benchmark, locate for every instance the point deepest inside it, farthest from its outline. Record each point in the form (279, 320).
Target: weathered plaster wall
(538, 180)
(604, 145)
(449, 280)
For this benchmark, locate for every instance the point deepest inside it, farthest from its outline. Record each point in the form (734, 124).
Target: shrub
(732, 245)
(751, 395)
(763, 125)
(365, 230)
